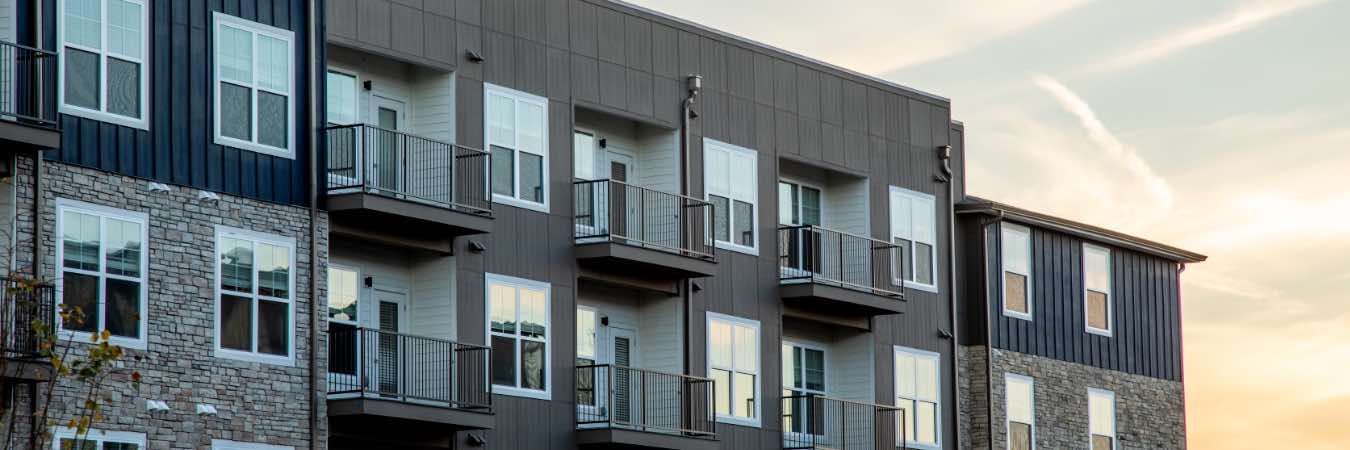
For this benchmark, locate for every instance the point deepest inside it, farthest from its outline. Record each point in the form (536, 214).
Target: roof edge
(976, 205)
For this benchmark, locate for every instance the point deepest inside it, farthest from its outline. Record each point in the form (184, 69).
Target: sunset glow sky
(1220, 127)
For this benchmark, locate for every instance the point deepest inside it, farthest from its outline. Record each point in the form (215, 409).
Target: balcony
(28, 118)
(838, 273)
(410, 387)
(623, 407)
(818, 422)
(640, 232)
(397, 188)
(26, 310)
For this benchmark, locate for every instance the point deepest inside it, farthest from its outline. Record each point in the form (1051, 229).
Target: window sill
(922, 287)
(87, 338)
(519, 392)
(742, 421)
(512, 201)
(255, 357)
(1099, 332)
(1018, 315)
(752, 251)
(101, 116)
(254, 147)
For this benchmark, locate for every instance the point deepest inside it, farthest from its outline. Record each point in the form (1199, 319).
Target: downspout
(988, 330)
(37, 163)
(310, 121)
(945, 152)
(694, 83)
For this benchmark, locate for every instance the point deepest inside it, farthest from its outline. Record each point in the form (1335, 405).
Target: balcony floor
(399, 413)
(831, 301)
(402, 223)
(629, 439)
(630, 260)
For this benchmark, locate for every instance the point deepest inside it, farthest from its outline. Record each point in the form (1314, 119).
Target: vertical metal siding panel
(558, 66)
(182, 154)
(469, 11)
(639, 92)
(265, 186)
(638, 43)
(613, 85)
(1178, 319)
(713, 62)
(558, 23)
(784, 85)
(610, 26)
(808, 138)
(1073, 279)
(126, 155)
(583, 29)
(248, 9)
(230, 169)
(499, 15)
(248, 173)
(500, 68)
(832, 147)
(740, 114)
(785, 132)
(585, 79)
(765, 130)
(88, 144)
(266, 13)
(530, 19)
(532, 67)
(471, 38)
(876, 112)
(106, 148)
(665, 52)
(808, 92)
(689, 53)
(740, 72)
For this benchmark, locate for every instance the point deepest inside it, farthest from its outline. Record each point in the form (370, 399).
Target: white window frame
(710, 145)
(356, 94)
(1110, 396)
(595, 334)
(101, 114)
(254, 356)
(937, 401)
(104, 213)
(1008, 380)
(519, 97)
(1110, 296)
(759, 367)
(797, 185)
(491, 279)
(255, 29)
(1006, 228)
(99, 436)
(825, 364)
(359, 313)
(222, 444)
(915, 198)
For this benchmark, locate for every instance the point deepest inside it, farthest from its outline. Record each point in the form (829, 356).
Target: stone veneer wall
(255, 402)
(972, 395)
(1150, 412)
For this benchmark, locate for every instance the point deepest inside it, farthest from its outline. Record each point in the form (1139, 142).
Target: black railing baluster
(665, 403)
(601, 213)
(802, 251)
(366, 158)
(417, 368)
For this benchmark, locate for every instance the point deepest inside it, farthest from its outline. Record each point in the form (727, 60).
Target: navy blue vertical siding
(178, 148)
(1145, 307)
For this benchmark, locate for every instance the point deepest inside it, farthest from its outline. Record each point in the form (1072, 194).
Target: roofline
(976, 205)
(753, 43)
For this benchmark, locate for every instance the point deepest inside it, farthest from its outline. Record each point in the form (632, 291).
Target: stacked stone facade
(254, 402)
(1150, 412)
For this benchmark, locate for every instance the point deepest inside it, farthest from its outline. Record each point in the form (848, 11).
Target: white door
(391, 319)
(385, 146)
(625, 199)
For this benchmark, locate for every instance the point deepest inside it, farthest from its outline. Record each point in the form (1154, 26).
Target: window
(1101, 419)
(798, 204)
(220, 444)
(65, 439)
(341, 98)
(253, 84)
(803, 378)
(343, 319)
(103, 270)
(733, 364)
(587, 355)
(104, 45)
(1016, 271)
(918, 395)
(254, 291)
(518, 332)
(914, 230)
(1097, 289)
(517, 137)
(1021, 414)
(730, 179)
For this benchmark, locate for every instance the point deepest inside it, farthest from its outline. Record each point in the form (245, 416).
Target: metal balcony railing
(811, 254)
(366, 158)
(28, 85)
(623, 213)
(24, 307)
(819, 422)
(644, 400)
(370, 363)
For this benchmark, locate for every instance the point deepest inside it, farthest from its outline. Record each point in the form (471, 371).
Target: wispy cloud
(1243, 18)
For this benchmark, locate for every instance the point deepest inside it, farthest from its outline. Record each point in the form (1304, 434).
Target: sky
(1221, 127)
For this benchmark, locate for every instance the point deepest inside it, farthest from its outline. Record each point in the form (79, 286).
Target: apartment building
(1070, 335)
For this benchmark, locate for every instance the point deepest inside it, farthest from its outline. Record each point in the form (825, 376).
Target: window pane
(501, 120)
(721, 213)
(532, 128)
(274, 268)
(717, 171)
(124, 248)
(905, 263)
(1021, 436)
(1015, 292)
(923, 263)
(79, 236)
(586, 333)
(503, 361)
(503, 315)
(533, 313)
(742, 176)
(69, 444)
(342, 351)
(124, 88)
(906, 415)
(787, 204)
(719, 337)
(123, 302)
(273, 65)
(236, 112)
(80, 291)
(583, 156)
(810, 206)
(83, 25)
(746, 350)
(236, 323)
(744, 230)
(1015, 250)
(503, 171)
(272, 120)
(1097, 310)
(531, 177)
(120, 446)
(82, 78)
(813, 369)
(1019, 401)
(925, 378)
(234, 53)
(236, 265)
(1096, 262)
(791, 362)
(341, 98)
(1101, 413)
(1101, 442)
(124, 28)
(532, 365)
(901, 216)
(926, 423)
(743, 395)
(342, 294)
(273, 327)
(722, 391)
(904, 373)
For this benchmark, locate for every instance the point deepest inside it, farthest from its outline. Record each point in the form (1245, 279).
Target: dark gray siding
(1145, 304)
(611, 57)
